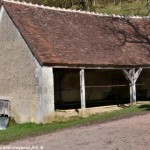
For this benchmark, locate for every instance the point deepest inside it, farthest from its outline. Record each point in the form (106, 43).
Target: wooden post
(132, 92)
(132, 77)
(82, 88)
(132, 85)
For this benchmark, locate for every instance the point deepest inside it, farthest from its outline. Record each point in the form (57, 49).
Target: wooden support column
(132, 76)
(82, 88)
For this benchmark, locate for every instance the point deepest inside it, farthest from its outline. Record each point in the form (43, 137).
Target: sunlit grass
(137, 7)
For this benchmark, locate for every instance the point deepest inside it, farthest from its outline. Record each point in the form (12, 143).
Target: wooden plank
(101, 86)
(91, 68)
(82, 89)
(106, 67)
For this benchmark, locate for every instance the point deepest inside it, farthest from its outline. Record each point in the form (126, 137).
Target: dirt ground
(125, 134)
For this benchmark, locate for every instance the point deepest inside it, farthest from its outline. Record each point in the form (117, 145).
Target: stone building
(53, 58)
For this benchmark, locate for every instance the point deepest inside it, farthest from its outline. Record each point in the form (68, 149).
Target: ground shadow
(145, 107)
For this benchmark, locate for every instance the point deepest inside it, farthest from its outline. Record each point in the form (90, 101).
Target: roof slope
(59, 37)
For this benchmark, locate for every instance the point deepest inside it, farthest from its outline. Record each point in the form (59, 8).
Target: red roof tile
(59, 38)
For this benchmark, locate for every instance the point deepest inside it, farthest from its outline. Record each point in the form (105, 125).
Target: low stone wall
(65, 115)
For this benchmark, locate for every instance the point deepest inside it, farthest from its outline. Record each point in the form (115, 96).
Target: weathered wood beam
(82, 89)
(137, 74)
(127, 75)
(132, 76)
(112, 68)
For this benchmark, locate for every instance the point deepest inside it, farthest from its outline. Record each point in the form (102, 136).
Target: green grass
(16, 132)
(137, 7)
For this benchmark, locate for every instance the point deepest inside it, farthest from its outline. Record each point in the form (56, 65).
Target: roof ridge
(73, 10)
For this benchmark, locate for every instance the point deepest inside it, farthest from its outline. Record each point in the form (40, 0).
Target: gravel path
(125, 134)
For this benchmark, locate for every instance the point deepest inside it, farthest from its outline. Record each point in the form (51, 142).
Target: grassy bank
(16, 132)
(138, 7)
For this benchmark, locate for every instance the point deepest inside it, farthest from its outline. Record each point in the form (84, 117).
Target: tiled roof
(59, 37)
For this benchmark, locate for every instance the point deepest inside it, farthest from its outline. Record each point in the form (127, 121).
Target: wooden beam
(127, 75)
(82, 88)
(137, 74)
(132, 76)
(105, 86)
(105, 68)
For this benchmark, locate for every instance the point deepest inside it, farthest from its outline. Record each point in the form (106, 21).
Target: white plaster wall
(1, 13)
(47, 93)
(22, 80)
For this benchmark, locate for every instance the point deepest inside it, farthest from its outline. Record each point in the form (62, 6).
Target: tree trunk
(86, 5)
